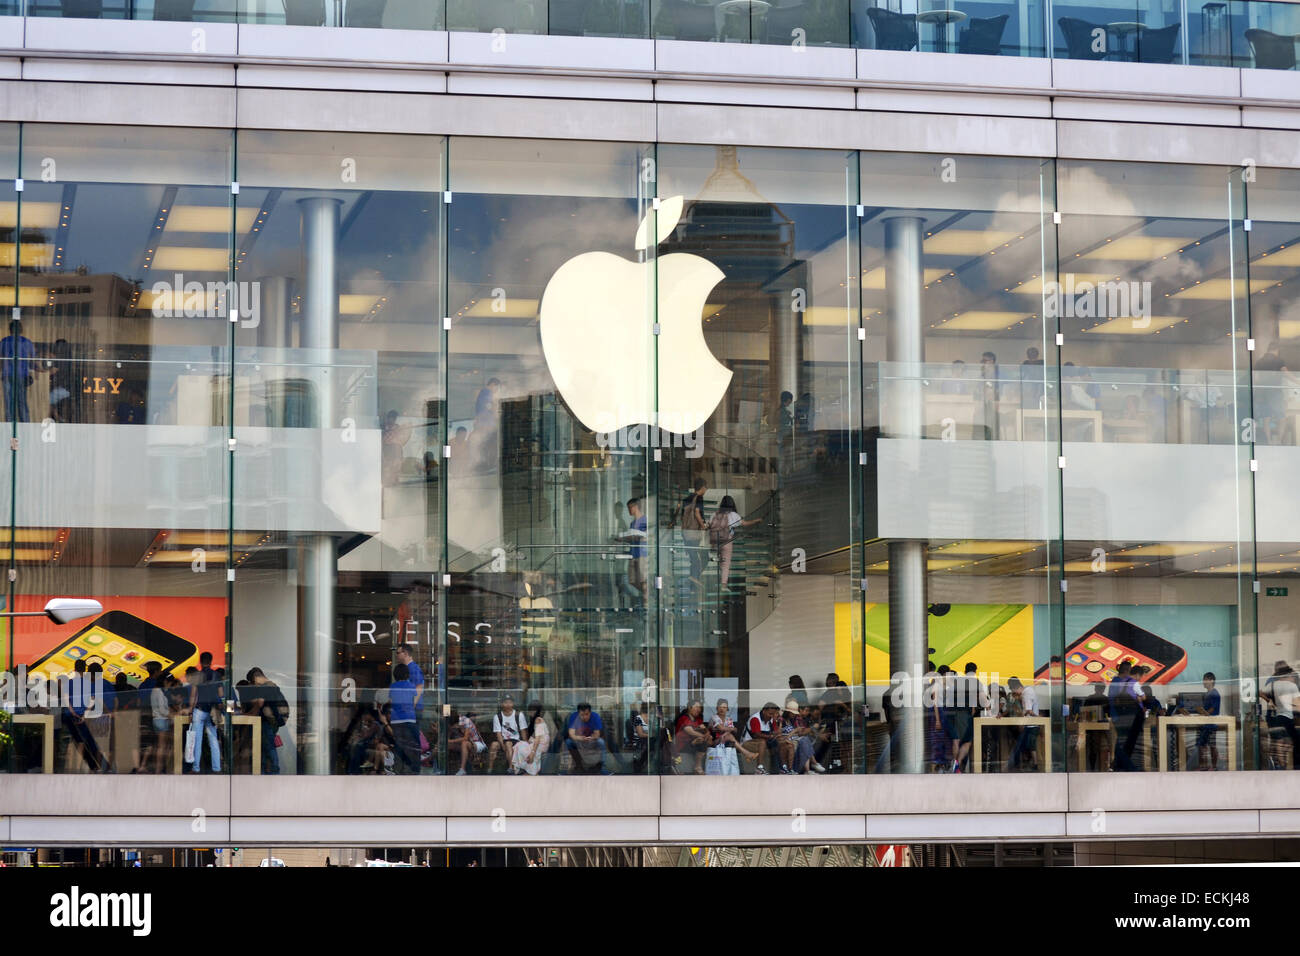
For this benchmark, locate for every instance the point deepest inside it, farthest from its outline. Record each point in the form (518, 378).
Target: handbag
(189, 745)
(278, 741)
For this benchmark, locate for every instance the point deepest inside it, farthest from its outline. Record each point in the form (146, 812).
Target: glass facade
(426, 455)
(1234, 33)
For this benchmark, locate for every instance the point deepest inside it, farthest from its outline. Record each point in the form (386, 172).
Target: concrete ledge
(1179, 823)
(573, 54)
(935, 101)
(1146, 79)
(754, 59)
(340, 78)
(144, 105)
(181, 73)
(1179, 791)
(506, 829)
(343, 43)
(907, 827)
(366, 112)
(122, 795)
(575, 87)
(896, 67)
(1134, 111)
(12, 32)
(858, 129)
(790, 828)
(471, 796)
(105, 830)
(752, 94)
(140, 37)
(356, 830)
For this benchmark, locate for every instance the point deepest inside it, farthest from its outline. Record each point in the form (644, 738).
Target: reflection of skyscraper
(752, 241)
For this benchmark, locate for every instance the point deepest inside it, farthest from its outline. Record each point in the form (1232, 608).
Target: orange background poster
(198, 619)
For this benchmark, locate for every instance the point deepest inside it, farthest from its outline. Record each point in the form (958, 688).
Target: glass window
(550, 521)
(338, 418)
(117, 384)
(962, 484)
(1155, 422)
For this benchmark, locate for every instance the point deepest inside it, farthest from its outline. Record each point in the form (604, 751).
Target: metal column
(905, 418)
(318, 553)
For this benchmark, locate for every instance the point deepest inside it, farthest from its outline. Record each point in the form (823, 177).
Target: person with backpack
(691, 521)
(722, 532)
(267, 702)
(509, 728)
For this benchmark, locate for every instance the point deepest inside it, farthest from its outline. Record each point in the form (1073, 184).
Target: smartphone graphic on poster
(1096, 656)
(120, 643)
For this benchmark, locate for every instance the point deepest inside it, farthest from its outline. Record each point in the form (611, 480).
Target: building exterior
(637, 353)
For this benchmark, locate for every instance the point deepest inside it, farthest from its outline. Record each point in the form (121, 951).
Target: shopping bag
(189, 745)
(713, 760)
(730, 762)
(722, 761)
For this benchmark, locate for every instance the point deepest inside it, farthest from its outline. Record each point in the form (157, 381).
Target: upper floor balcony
(1259, 34)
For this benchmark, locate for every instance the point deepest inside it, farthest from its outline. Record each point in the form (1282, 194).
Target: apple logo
(596, 316)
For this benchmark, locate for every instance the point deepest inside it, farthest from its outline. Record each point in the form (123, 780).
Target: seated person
(691, 737)
(468, 742)
(726, 734)
(509, 728)
(760, 732)
(584, 738)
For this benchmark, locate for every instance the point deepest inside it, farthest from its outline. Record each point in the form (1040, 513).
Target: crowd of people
(116, 726)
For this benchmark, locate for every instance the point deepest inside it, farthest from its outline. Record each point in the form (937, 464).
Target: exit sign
(1275, 592)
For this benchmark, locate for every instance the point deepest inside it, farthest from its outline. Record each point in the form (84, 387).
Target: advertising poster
(130, 632)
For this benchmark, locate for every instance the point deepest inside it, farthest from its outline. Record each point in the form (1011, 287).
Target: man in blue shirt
(635, 585)
(16, 364)
(401, 718)
(406, 655)
(584, 739)
(1207, 743)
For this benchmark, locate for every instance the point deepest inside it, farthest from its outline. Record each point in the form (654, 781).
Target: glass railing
(1233, 33)
(1113, 405)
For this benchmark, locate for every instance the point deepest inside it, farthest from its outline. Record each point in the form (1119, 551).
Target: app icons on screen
(94, 659)
(94, 638)
(1076, 658)
(114, 648)
(1093, 667)
(1076, 679)
(1095, 644)
(76, 653)
(1110, 653)
(131, 656)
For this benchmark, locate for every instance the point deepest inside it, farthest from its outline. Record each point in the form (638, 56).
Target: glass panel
(119, 393)
(338, 416)
(1132, 31)
(986, 27)
(760, 649)
(1151, 299)
(601, 18)
(551, 510)
(1254, 34)
(211, 11)
(962, 494)
(1271, 273)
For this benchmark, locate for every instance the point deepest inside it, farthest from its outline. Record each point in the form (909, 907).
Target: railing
(1234, 33)
(1144, 405)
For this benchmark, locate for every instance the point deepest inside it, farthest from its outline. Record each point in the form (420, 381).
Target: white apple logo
(596, 316)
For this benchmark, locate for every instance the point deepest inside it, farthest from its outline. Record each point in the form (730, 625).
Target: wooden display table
(237, 720)
(1044, 739)
(1164, 724)
(46, 721)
